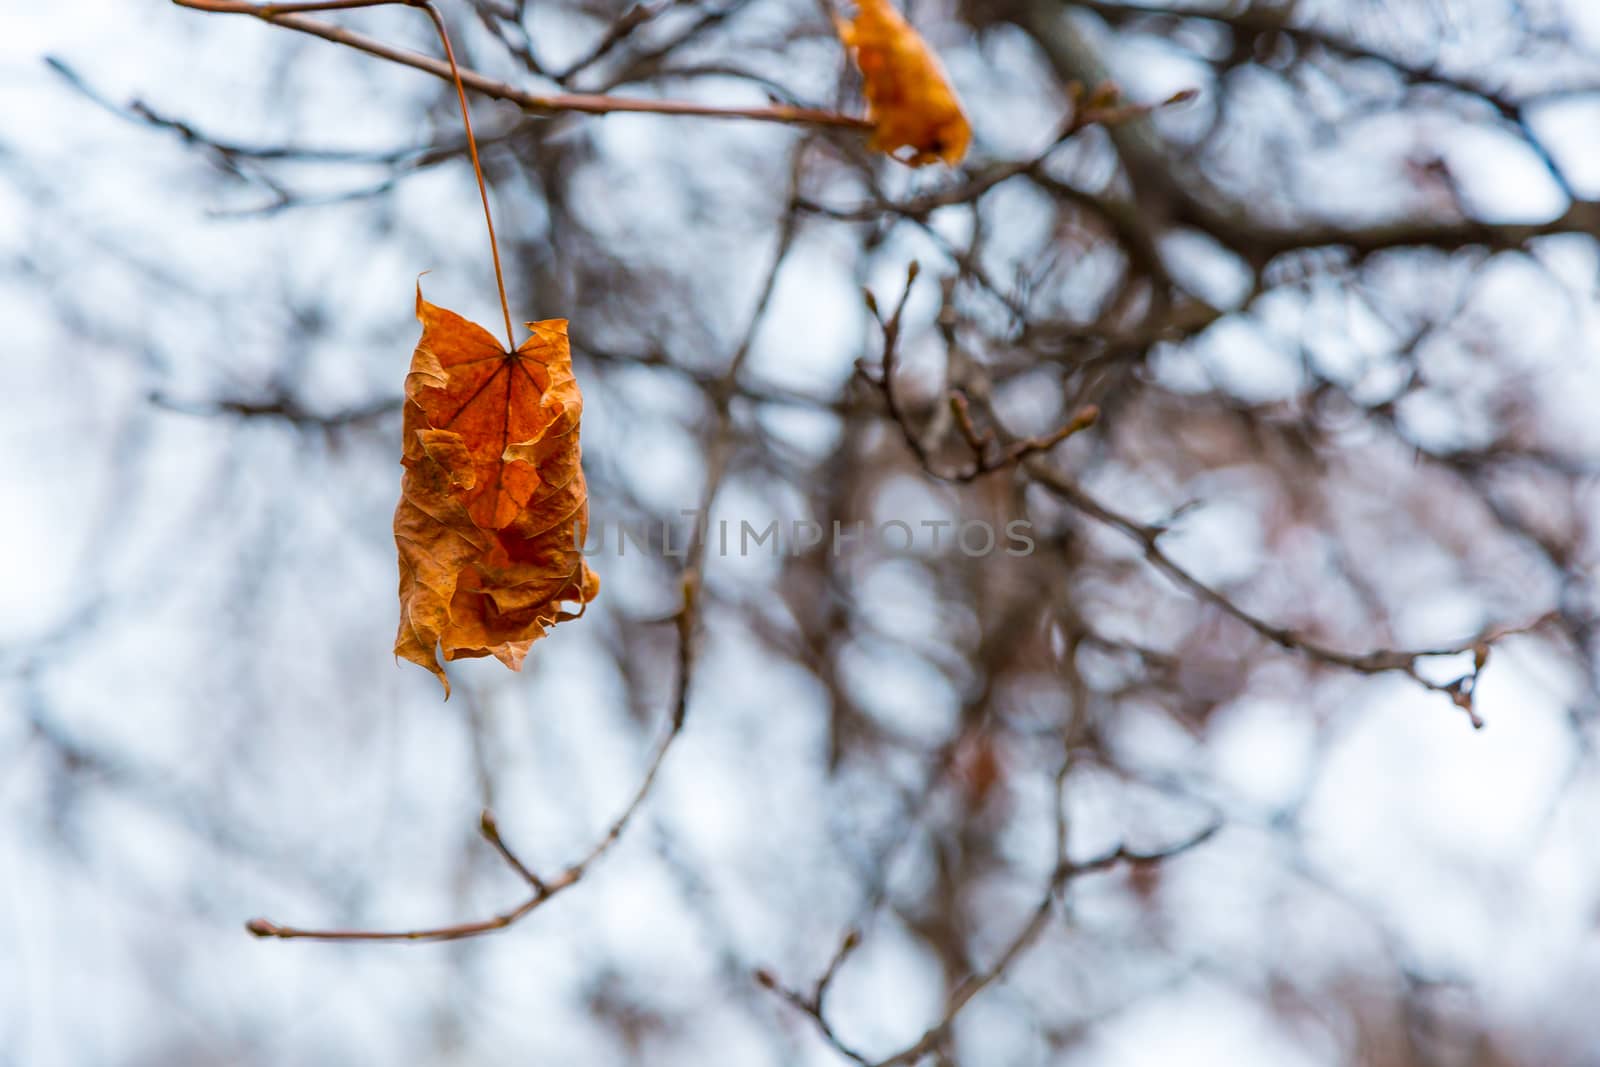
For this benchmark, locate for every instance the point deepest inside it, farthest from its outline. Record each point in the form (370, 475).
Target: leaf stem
(477, 168)
(277, 13)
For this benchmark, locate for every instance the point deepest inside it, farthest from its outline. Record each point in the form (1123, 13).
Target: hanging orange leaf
(909, 98)
(493, 505)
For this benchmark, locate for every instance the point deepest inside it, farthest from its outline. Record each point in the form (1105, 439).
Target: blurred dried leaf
(979, 767)
(493, 504)
(909, 97)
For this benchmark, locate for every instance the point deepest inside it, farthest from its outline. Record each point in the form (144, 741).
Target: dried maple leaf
(493, 506)
(909, 98)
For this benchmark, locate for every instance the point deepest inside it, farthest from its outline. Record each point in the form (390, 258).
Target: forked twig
(979, 442)
(1064, 872)
(540, 889)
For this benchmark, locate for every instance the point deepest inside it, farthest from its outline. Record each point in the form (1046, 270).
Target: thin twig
(890, 329)
(1377, 661)
(1018, 450)
(1102, 107)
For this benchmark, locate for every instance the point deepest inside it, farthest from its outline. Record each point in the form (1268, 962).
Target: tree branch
(552, 103)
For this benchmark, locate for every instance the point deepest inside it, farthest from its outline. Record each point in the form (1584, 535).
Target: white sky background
(1446, 833)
